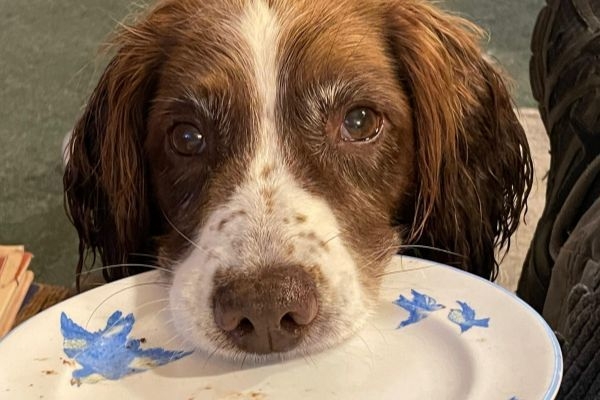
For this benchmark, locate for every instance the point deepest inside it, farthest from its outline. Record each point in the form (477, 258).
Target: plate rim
(557, 373)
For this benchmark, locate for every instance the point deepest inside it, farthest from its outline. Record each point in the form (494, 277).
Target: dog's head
(276, 154)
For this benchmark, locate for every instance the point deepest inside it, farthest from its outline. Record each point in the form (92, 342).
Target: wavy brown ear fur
(474, 166)
(105, 179)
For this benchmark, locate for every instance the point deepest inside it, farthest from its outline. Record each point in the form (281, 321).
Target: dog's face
(276, 154)
(279, 144)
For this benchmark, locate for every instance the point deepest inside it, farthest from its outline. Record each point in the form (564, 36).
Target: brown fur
(475, 170)
(452, 170)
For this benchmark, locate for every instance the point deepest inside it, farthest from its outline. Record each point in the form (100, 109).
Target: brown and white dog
(275, 154)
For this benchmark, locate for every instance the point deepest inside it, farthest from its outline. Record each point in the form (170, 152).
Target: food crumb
(75, 382)
(143, 340)
(49, 372)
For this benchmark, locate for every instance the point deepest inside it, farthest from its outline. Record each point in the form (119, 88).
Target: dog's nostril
(288, 323)
(227, 318)
(245, 326)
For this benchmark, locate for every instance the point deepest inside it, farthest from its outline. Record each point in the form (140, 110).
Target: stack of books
(15, 280)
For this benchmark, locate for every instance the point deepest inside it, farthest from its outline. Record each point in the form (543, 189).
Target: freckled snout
(267, 312)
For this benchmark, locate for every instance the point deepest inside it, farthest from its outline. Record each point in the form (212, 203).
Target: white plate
(515, 357)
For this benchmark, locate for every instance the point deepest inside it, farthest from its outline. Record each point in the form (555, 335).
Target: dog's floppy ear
(474, 169)
(106, 191)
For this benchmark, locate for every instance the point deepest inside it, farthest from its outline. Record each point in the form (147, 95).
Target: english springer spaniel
(275, 155)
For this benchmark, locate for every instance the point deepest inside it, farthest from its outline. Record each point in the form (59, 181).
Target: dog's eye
(361, 124)
(187, 140)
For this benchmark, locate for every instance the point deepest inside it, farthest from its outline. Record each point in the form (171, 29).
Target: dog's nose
(266, 312)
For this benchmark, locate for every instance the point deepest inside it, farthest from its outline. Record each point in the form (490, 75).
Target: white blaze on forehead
(249, 230)
(260, 30)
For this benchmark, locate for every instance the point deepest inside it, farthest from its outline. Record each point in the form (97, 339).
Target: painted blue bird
(465, 317)
(418, 308)
(108, 353)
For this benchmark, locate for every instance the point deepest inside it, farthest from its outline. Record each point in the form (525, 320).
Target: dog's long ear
(474, 168)
(106, 191)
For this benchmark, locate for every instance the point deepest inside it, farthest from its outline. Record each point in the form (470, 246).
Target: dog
(276, 154)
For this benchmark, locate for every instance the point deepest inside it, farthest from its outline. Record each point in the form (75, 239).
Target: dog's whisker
(419, 268)
(137, 285)
(308, 358)
(183, 235)
(181, 336)
(211, 252)
(243, 360)
(106, 267)
(438, 249)
(151, 303)
(212, 353)
(335, 236)
(178, 335)
(181, 345)
(378, 330)
(362, 339)
(156, 257)
(377, 257)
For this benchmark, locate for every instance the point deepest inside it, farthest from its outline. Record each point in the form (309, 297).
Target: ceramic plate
(438, 333)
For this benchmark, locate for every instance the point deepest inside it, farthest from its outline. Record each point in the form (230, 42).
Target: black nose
(266, 312)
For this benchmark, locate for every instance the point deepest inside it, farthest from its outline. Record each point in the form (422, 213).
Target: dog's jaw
(269, 220)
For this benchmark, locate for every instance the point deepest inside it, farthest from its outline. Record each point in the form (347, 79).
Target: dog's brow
(189, 100)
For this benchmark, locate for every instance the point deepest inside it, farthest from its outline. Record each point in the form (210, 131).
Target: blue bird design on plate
(418, 308)
(108, 353)
(465, 317)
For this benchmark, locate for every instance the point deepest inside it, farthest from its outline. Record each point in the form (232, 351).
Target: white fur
(259, 236)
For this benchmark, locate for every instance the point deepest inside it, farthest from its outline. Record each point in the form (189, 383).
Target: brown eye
(187, 140)
(361, 124)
